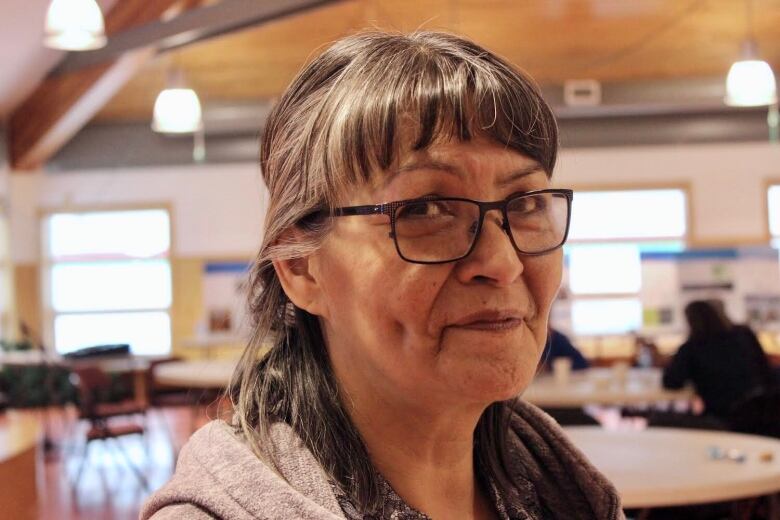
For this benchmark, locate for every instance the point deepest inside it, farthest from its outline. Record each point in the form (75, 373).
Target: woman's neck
(427, 458)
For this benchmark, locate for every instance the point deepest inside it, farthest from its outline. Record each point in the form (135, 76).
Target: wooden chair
(94, 386)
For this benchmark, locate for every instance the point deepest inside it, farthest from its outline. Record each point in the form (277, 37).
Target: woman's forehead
(462, 160)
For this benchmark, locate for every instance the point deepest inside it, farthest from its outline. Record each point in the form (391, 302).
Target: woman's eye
(422, 209)
(530, 204)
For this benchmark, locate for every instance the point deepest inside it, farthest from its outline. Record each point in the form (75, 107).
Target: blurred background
(131, 203)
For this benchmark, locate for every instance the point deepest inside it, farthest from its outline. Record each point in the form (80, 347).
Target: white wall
(727, 182)
(218, 209)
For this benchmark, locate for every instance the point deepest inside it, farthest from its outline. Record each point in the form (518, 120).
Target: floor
(107, 487)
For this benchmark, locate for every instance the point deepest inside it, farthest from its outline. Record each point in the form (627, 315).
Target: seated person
(724, 362)
(559, 346)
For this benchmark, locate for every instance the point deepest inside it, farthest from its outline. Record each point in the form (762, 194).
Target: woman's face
(468, 332)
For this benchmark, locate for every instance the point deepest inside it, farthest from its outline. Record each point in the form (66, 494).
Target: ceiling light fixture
(177, 108)
(74, 25)
(750, 82)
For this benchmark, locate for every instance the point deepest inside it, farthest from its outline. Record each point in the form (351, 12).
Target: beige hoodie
(218, 476)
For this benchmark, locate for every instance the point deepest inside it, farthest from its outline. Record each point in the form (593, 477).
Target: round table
(659, 467)
(206, 374)
(603, 386)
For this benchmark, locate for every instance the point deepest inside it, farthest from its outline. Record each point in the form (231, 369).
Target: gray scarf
(218, 476)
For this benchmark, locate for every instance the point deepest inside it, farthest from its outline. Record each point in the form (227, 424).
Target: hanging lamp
(74, 25)
(177, 108)
(750, 81)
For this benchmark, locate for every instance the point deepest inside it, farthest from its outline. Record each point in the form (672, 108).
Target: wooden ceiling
(554, 40)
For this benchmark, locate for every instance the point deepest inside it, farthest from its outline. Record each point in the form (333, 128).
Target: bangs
(389, 103)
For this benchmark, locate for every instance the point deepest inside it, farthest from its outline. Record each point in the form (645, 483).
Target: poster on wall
(224, 299)
(660, 292)
(710, 274)
(763, 310)
(707, 270)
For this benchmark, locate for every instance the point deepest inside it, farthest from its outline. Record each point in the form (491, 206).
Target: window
(636, 215)
(6, 281)
(611, 232)
(773, 204)
(605, 269)
(606, 316)
(107, 280)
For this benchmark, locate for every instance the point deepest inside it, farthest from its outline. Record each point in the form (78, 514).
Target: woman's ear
(299, 281)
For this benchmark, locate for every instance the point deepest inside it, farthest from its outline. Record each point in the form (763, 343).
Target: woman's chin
(489, 376)
(487, 388)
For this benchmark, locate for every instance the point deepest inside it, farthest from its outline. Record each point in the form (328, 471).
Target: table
(603, 386)
(137, 366)
(659, 467)
(205, 374)
(19, 465)
(207, 343)
(27, 358)
(642, 385)
(123, 363)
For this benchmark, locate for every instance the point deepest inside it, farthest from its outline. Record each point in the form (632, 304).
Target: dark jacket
(723, 369)
(559, 345)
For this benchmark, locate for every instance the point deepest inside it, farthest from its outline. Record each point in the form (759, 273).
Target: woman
(411, 255)
(725, 362)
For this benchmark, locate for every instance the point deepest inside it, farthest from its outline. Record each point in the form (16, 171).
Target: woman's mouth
(493, 325)
(491, 320)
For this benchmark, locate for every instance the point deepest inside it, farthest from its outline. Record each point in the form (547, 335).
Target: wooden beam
(195, 25)
(62, 104)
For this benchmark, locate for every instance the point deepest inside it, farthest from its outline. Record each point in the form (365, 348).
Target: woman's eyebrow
(518, 174)
(430, 164)
(424, 164)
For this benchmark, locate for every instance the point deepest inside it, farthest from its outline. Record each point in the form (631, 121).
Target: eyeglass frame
(389, 209)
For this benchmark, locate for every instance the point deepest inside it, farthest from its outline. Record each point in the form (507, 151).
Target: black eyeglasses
(437, 230)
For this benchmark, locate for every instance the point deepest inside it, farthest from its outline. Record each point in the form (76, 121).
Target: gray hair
(338, 126)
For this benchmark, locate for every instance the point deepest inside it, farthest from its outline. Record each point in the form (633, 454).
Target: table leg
(139, 387)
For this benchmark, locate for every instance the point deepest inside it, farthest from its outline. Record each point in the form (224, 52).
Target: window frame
(8, 314)
(687, 239)
(48, 313)
(769, 238)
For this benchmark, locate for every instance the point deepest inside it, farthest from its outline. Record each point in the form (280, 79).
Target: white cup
(561, 370)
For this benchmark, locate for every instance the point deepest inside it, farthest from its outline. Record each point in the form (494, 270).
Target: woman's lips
(491, 320)
(492, 325)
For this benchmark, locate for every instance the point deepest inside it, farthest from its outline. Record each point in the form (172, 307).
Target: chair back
(758, 414)
(92, 384)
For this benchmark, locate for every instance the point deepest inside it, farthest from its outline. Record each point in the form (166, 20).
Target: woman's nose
(494, 258)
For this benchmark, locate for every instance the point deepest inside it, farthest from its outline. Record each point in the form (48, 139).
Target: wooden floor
(108, 488)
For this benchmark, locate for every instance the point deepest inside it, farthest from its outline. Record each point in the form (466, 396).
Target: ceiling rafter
(138, 29)
(62, 104)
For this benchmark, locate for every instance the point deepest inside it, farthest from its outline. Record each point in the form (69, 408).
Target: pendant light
(177, 108)
(750, 81)
(74, 25)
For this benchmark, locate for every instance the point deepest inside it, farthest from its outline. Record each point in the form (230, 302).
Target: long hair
(345, 119)
(705, 321)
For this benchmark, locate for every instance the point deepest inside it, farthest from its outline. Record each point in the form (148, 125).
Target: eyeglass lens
(444, 229)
